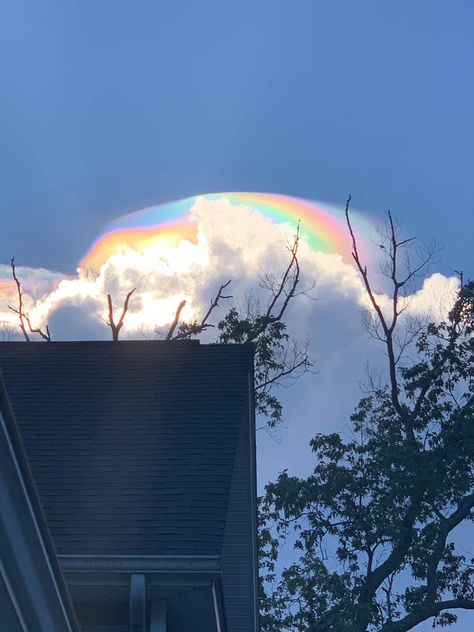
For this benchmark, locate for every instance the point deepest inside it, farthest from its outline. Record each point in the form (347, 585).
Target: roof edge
(129, 341)
(24, 522)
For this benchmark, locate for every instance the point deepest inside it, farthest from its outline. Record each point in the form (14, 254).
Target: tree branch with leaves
(373, 524)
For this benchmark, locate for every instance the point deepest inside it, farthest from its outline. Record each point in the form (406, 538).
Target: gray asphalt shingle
(131, 444)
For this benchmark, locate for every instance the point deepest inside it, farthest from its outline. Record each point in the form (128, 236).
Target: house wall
(238, 559)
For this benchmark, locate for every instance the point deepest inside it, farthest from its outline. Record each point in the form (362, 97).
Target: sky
(109, 107)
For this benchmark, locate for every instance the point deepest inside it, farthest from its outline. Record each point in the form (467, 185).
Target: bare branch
(283, 289)
(387, 329)
(36, 330)
(193, 329)
(111, 323)
(22, 315)
(169, 335)
(305, 364)
(292, 274)
(215, 303)
(19, 311)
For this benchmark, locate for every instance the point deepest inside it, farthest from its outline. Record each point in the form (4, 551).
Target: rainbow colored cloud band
(323, 226)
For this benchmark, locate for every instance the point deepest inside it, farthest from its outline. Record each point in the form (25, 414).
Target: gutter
(141, 563)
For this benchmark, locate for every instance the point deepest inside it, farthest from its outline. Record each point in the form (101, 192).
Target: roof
(33, 594)
(132, 444)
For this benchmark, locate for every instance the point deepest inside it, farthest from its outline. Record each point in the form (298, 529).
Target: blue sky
(109, 106)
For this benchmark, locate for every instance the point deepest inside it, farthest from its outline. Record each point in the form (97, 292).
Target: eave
(145, 579)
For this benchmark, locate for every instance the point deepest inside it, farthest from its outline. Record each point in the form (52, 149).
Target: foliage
(279, 360)
(373, 524)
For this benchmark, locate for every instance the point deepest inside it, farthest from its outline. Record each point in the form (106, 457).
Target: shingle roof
(33, 594)
(131, 444)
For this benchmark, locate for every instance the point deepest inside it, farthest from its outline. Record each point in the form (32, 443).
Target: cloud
(435, 298)
(36, 283)
(233, 242)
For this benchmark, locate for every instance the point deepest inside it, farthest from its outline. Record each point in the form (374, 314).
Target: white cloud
(233, 242)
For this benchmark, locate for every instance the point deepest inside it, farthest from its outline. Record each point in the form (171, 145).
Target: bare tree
(401, 272)
(23, 317)
(116, 327)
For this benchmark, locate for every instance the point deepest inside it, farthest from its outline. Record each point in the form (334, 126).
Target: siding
(238, 553)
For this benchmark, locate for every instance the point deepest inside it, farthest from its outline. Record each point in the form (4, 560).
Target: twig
(215, 303)
(188, 330)
(295, 280)
(305, 363)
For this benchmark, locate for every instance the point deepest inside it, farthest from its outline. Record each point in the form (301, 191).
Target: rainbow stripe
(321, 225)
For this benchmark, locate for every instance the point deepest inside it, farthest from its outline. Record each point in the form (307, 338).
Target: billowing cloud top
(183, 250)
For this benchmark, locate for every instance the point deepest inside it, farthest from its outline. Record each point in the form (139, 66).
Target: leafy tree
(373, 524)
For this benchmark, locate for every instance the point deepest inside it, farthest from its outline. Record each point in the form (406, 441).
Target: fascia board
(140, 564)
